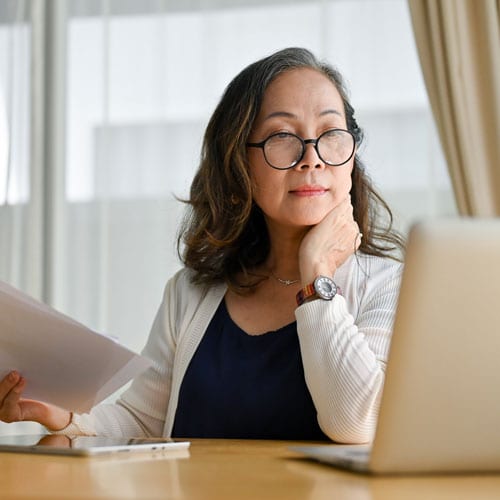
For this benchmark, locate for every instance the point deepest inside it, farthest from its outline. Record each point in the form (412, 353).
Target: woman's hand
(328, 244)
(13, 408)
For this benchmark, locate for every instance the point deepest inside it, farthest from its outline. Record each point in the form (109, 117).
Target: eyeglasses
(284, 150)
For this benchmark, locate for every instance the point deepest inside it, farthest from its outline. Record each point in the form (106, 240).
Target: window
(133, 84)
(19, 207)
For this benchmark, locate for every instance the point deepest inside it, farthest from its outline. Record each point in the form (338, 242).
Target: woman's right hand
(328, 244)
(14, 408)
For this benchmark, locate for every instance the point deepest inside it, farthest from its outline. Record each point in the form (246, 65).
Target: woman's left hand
(14, 408)
(330, 243)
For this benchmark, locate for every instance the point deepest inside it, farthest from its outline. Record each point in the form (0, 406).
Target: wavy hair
(224, 235)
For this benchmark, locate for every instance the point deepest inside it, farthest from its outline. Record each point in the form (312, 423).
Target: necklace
(285, 282)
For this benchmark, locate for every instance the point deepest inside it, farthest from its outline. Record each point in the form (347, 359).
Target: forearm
(114, 420)
(342, 371)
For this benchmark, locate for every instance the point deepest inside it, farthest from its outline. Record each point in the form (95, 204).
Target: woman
(279, 324)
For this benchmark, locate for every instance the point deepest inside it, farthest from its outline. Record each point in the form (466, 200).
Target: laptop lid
(440, 409)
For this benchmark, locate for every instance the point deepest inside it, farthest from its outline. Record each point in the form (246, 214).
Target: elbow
(349, 436)
(349, 430)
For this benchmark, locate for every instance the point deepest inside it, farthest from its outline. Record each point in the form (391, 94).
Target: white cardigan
(344, 345)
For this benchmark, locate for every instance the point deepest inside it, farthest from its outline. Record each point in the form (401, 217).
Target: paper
(64, 362)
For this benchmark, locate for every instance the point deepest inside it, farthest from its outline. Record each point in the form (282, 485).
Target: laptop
(440, 409)
(56, 444)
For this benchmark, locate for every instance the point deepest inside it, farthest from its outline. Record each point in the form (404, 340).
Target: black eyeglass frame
(304, 142)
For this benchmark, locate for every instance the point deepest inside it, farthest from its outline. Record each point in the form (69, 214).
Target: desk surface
(220, 470)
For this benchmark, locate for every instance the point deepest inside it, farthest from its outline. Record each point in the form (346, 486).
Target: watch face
(325, 287)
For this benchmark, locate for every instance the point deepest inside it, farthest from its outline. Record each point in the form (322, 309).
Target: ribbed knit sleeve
(344, 345)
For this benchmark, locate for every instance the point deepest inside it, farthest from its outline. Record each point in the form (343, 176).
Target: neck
(283, 259)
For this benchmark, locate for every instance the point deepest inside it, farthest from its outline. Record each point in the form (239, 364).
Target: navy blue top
(246, 386)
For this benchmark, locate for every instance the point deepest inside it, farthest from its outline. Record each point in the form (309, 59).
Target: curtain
(459, 48)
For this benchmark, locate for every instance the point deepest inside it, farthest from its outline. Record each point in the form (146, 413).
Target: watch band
(322, 287)
(305, 293)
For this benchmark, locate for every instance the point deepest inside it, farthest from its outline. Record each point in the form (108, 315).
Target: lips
(309, 191)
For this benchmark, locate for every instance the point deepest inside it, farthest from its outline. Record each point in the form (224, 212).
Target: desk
(220, 470)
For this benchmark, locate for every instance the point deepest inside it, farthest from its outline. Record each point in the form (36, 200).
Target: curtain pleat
(459, 48)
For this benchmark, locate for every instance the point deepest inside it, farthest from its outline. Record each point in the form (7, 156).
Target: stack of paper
(64, 362)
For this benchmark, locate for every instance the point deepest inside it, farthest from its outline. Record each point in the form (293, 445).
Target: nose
(311, 158)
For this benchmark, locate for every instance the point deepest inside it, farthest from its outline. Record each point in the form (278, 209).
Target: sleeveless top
(246, 386)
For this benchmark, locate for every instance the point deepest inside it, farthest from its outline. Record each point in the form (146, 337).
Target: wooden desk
(220, 470)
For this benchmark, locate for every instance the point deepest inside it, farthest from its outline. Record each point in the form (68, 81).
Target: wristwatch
(323, 287)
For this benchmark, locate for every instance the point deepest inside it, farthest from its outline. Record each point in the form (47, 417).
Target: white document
(64, 362)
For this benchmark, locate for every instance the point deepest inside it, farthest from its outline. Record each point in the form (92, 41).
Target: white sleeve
(344, 362)
(111, 420)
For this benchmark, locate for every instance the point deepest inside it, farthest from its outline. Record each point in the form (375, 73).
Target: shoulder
(182, 282)
(375, 265)
(364, 275)
(180, 289)
(369, 267)
(183, 298)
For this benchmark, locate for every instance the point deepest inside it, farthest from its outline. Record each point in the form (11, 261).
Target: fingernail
(13, 376)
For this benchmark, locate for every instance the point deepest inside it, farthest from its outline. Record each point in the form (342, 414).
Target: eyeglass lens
(285, 150)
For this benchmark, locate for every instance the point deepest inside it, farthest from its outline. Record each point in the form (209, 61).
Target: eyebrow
(331, 111)
(285, 114)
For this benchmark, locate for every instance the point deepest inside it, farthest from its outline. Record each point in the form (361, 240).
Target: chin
(299, 219)
(307, 221)
(311, 218)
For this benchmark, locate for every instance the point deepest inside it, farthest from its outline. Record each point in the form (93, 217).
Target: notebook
(440, 408)
(87, 445)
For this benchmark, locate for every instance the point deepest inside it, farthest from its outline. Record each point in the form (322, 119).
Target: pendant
(286, 282)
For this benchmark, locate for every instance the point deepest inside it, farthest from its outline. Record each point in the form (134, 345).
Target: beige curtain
(459, 47)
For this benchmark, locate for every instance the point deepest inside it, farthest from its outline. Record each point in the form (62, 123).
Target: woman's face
(306, 103)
